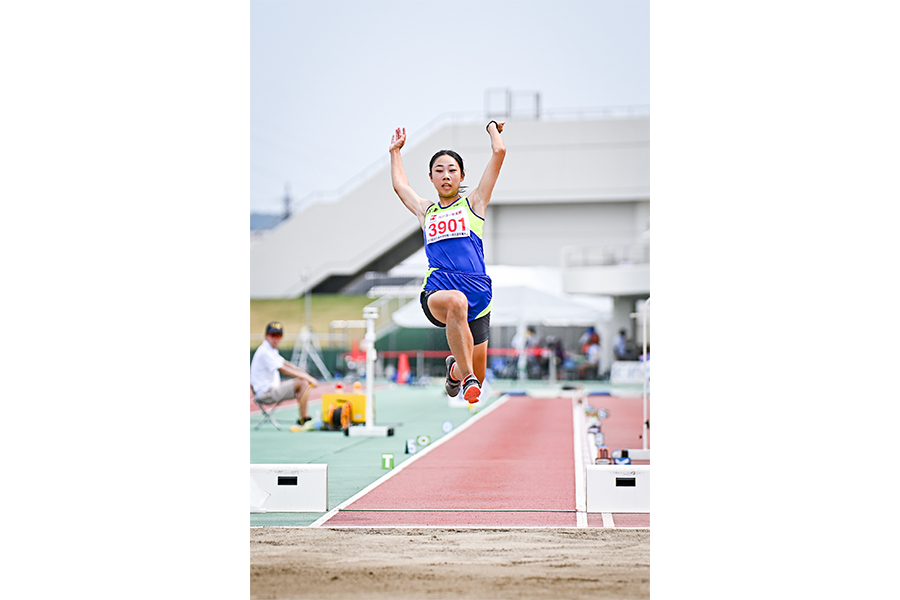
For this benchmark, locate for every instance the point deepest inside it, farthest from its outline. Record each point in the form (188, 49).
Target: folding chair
(267, 414)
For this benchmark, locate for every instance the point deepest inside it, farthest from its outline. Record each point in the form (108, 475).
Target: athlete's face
(446, 176)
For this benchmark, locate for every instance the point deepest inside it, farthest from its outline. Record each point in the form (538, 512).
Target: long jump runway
(518, 464)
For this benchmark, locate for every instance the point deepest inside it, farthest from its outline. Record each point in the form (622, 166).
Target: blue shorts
(477, 288)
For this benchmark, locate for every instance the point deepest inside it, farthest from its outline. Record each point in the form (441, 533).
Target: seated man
(265, 381)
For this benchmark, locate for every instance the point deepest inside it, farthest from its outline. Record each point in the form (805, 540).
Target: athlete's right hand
(398, 139)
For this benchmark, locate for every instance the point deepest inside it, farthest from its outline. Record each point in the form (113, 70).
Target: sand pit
(419, 563)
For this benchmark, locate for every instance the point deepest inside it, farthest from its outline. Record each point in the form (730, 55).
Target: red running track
(514, 467)
(520, 457)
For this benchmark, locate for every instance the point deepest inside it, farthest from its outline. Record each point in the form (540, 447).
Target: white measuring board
(292, 487)
(617, 488)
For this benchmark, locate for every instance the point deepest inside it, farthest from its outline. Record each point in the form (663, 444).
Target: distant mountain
(263, 221)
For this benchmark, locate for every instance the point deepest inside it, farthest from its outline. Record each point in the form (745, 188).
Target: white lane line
(608, 520)
(318, 522)
(580, 494)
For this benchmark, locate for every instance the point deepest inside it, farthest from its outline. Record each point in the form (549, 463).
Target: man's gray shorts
(284, 391)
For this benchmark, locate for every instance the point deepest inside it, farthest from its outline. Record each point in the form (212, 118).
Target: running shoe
(451, 385)
(471, 389)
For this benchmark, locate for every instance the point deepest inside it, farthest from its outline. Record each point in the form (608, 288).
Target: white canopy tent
(527, 295)
(518, 305)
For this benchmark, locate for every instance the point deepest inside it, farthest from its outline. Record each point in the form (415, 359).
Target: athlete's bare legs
(452, 308)
(479, 360)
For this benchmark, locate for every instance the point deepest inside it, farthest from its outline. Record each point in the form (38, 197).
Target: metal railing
(606, 255)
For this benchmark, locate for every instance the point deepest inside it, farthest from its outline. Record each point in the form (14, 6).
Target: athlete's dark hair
(452, 154)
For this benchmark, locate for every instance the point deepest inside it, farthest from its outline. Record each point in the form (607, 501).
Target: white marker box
(617, 488)
(292, 488)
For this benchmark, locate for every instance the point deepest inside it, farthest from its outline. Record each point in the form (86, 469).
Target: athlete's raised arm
(481, 195)
(411, 200)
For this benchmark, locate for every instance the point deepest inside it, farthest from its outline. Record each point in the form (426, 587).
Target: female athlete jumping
(457, 290)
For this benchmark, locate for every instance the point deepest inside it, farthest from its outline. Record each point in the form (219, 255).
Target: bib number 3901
(451, 224)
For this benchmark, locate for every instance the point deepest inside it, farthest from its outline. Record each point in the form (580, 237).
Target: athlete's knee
(457, 304)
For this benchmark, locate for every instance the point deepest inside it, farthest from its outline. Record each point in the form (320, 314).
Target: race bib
(445, 225)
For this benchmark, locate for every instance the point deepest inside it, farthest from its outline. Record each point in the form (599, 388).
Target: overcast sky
(330, 80)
